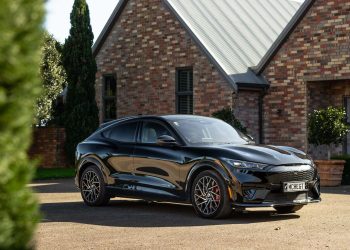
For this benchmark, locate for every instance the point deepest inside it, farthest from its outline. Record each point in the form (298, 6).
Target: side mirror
(166, 140)
(250, 137)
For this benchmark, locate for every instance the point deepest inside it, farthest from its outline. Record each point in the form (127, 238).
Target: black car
(192, 159)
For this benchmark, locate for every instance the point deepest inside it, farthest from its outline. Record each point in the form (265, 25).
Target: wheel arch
(213, 165)
(91, 161)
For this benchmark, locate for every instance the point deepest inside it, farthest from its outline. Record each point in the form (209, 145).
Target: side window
(151, 131)
(124, 133)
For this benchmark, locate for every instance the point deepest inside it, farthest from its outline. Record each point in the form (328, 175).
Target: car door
(156, 167)
(121, 139)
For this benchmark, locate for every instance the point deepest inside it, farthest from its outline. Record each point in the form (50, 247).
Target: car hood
(272, 155)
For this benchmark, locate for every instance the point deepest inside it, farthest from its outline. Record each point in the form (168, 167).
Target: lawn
(54, 173)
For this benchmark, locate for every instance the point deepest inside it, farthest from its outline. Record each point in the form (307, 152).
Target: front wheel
(210, 197)
(92, 186)
(288, 209)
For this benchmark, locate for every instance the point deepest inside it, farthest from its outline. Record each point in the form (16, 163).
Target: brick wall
(247, 111)
(48, 147)
(317, 51)
(143, 50)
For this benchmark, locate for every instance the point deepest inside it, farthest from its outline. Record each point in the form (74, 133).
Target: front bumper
(264, 188)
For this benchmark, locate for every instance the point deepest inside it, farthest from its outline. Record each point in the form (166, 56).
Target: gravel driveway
(131, 224)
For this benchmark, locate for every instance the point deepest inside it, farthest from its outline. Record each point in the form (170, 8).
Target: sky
(58, 16)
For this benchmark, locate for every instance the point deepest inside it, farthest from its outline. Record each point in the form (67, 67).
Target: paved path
(130, 224)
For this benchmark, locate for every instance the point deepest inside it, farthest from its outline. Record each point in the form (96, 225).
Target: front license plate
(289, 187)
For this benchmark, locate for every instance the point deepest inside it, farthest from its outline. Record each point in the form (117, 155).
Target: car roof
(158, 117)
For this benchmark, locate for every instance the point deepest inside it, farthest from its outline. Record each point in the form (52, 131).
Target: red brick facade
(143, 50)
(246, 109)
(48, 147)
(312, 69)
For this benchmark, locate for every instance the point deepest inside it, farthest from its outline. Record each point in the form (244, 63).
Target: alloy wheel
(207, 195)
(91, 186)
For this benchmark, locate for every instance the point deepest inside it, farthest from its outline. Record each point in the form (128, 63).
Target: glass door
(347, 108)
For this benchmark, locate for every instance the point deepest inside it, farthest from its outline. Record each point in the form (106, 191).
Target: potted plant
(328, 127)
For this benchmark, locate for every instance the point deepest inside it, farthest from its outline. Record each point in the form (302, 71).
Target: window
(124, 133)
(208, 131)
(184, 91)
(151, 131)
(347, 109)
(109, 98)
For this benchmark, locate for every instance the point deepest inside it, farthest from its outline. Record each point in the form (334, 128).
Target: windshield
(204, 130)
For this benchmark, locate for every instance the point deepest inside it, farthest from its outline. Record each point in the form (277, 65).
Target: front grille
(306, 175)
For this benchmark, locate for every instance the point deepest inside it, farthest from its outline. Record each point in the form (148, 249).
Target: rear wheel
(92, 186)
(210, 197)
(288, 209)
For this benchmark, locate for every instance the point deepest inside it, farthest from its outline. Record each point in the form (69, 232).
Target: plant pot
(330, 171)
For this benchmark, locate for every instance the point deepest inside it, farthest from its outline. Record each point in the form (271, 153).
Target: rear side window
(124, 133)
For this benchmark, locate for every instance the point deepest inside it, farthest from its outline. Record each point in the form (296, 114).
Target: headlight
(312, 161)
(245, 164)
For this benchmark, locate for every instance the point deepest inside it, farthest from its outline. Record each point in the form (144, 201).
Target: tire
(214, 204)
(288, 209)
(93, 188)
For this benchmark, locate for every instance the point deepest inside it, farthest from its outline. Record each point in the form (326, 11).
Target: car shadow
(136, 213)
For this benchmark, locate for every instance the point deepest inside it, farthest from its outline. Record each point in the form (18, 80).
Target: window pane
(109, 97)
(151, 131)
(208, 131)
(185, 80)
(123, 133)
(185, 91)
(110, 86)
(185, 104)
(347, 108)
(110, 109)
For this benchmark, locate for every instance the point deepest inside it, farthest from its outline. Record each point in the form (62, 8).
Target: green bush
(20, 41)
(327, 126)
(53, 80)
(226, 114)
(346, 173)
(81, 112)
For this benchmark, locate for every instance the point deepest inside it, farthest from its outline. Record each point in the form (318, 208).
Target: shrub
(327, 126)
(346, 173)
(20, 38)
(81, 112)
(226, 114)
(53, 79)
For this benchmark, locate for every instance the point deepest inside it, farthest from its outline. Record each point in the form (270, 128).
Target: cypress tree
(81, 112)
(20, 42)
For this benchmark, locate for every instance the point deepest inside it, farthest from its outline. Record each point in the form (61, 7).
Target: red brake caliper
(217, 192)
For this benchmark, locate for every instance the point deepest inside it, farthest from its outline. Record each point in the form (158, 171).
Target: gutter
(109, 25)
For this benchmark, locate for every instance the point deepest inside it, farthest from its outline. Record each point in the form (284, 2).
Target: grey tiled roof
(238, 36)
(237, 33)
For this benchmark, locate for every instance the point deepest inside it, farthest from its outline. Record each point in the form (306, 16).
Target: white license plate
(289, 187)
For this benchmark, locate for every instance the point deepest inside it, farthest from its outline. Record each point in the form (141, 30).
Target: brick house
(271, 61)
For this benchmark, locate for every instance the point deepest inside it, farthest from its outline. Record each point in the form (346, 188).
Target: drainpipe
(261, 115)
